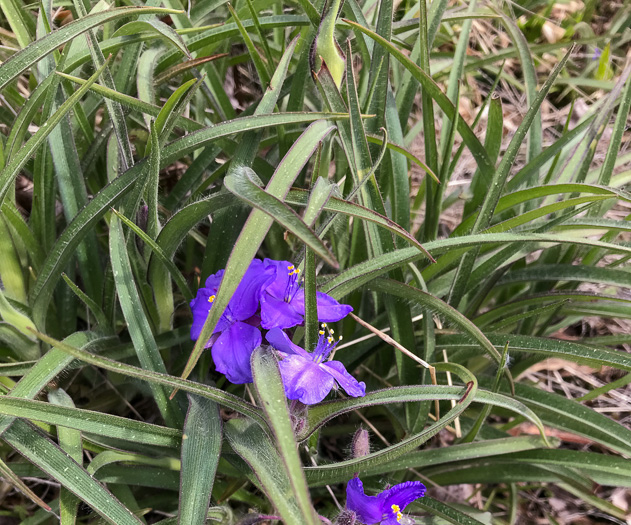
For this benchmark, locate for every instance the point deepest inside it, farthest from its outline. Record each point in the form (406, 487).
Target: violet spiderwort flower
(385, 508)
(283, 300)
(306, 376)
(237, 334)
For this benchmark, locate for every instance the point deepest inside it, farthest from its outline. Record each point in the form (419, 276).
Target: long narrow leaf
(25, 58)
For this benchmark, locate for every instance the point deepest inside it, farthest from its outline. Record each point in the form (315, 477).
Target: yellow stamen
(211, 298)
(395, 508)
(321, 332)
(330, 339)
(292, 270)
(323, 325)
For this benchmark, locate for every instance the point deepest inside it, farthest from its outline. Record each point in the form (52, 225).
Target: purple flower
(385, 508)
(283, 300)
(306, 376)
(597, 54)
(236, 335)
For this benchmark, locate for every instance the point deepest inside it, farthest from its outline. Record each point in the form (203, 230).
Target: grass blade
(12, 169)
(113, 108)
(338, 205)
(214, 394)
(90, 422)
(137, 323)
(22, 60)
(242, 183)
(269, 386)
(498, 180)
(254, 447)
(428, 84)
(29, 442)
(343, 470)
(201, 446)
(534, 137)
(70, 442)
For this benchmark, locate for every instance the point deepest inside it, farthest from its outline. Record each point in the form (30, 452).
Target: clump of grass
(455, 173)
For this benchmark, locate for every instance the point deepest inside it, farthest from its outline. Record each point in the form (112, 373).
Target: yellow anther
(292, 270)
(211, 298)
(330, 339)
(397, 510)
(321, 332)
(340, 338)
(323, 325)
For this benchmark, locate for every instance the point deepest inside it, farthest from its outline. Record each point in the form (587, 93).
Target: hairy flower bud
(346, 517)
(142, 216)
(361, 443)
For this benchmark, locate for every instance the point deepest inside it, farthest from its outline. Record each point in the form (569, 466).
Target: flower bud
(361, 443)
(346, 517)
(142, 217)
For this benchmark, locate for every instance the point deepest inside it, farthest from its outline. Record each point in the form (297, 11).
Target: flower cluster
(271, 296)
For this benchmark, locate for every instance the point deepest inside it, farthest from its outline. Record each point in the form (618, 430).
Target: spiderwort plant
(516, 255)
(306, 375)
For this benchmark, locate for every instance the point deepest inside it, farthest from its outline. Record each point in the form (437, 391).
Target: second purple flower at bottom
(386, 508)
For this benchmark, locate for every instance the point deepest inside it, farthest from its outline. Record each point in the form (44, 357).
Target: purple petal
(350, 385)
(329, 310)
(213, 282)
(200, 307)
(280, 340)
(304, 380)
(255, 321)
(403, 494)
(243, 304)
(276, 313)
(278, 286)
(231, 352)
(245, 301)
(368, 508)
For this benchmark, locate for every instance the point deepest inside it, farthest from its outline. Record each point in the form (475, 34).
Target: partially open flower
(236, 335)
(283, 300)
(306, 376)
